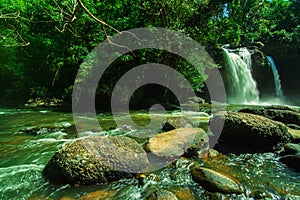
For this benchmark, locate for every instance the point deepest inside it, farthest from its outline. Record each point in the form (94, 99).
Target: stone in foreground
(248, 133)
(214, 181)
(175, 143)
(96, 160)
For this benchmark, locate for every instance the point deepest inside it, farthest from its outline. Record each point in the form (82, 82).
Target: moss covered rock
(96, 159)
(281, 114)
(248, 133)
(215, 181)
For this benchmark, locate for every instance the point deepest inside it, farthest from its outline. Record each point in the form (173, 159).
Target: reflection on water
(23, 157)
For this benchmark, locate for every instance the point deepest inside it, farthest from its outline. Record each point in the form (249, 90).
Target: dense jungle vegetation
(43, 43)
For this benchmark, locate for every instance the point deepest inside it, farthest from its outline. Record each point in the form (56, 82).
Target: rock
(284, 115)
(67, 198)
(177, 142)
(295, 134)
(247, 133)
(292, 148)
(96, 159)
(214, 181)
(292, 161)
(39, 130)
(175, 123)
(98, 195)
(259, 194)
(184, 194)
(218, 196)
(211, 154)
(293, 126)
(162, 195)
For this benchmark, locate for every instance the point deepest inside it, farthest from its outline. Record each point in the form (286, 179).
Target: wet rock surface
(96, 159)
(248, 133)
(281, 114)
(292, 161)
(291, 156)
(175, 143)
(162, 195)
(214, 181)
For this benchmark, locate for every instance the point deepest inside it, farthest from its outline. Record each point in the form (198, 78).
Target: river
(23, 157)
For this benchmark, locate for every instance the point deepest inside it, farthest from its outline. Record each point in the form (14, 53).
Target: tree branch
(95, 18)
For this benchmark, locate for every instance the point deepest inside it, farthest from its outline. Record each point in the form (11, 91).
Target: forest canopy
(43, 43)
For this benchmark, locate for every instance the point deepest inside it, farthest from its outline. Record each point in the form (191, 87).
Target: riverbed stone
(295, 134)
(162, 194)
(39, 130)
(248, 133)
(281, 114)
(172, 144)
(98, 195)
(96, 159)
(215, 181)
(292, 161)
(292, 148)
(184, 194)
(175, 123)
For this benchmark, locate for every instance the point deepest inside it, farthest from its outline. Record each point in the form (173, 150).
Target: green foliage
(40, 51)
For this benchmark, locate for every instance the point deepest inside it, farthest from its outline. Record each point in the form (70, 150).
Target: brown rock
(98, 195)
(215, 181)
(177, 142)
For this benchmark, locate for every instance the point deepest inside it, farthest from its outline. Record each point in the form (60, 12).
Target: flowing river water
(23, 157)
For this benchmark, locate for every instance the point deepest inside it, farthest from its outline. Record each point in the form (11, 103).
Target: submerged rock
(281, 114)
(162, 195)
(177, 142)
(39, 130)
(248, 133)
(259, 194)
(98, 195)
(184, 194)
(214, 181)
(96, 159)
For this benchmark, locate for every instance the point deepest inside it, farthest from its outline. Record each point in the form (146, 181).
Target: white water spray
(242, 88)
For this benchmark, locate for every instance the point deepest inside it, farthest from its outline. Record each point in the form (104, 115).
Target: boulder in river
(175, 143)
(292, 161)
(96, 159)
(175, 123)
(215, 181)
(162, 194)
(248, 133)
(281, 114)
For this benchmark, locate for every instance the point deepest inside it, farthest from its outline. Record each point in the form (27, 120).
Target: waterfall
(276, 77)
(241, 86)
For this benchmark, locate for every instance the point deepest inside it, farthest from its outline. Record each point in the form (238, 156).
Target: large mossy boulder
(247, 133)
(281, 114)
(175, 143)
(215, 181)
(96, 160)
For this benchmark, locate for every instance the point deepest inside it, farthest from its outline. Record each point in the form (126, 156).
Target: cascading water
(241, 86)
(277, 83)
